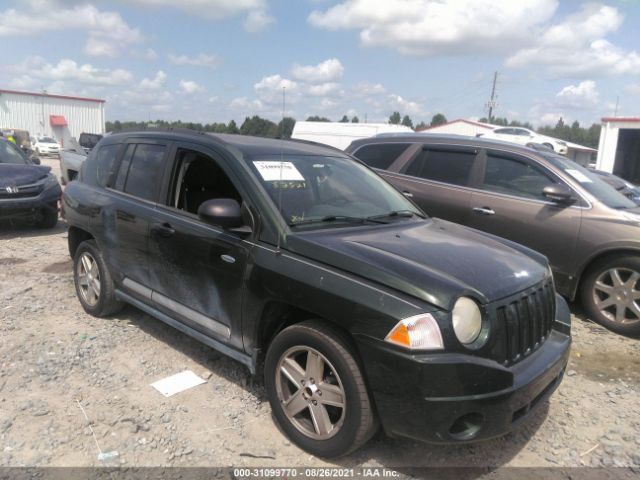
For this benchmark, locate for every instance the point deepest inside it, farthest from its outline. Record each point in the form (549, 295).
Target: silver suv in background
(75, 153)
(588, 230)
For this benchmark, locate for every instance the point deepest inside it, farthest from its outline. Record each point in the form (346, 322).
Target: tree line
(262, 127)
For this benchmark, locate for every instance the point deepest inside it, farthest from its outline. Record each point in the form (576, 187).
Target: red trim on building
(471, 122)
(35, 94)
(621, 119)
(57, 121)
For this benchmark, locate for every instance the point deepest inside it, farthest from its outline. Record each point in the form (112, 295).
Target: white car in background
(45, 146)
(524, 136)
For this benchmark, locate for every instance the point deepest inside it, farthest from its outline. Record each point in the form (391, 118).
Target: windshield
(322, 189)
(591, 182)
(10, 154)
(47, 140)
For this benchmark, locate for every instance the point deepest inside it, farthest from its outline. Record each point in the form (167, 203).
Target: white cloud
(327, 71)
(155, 83)
(68, 70)
(108, 33)
(366, 89)
(323, 89)
(243, 104)
(426, 27)
(200, 60)
(258, 21)
(269, 89)
(257, 17)
(404, 106)
(190, 87)
(211, 9)
(583, 95)
(577, 47)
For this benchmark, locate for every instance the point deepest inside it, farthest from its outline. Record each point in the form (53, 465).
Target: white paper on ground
(178, 383)
(274, 171)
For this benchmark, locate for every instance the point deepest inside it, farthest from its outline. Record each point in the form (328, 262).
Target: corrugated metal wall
(32, 112)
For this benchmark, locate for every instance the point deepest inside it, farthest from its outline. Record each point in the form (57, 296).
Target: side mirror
(223, 212)
(558, 193)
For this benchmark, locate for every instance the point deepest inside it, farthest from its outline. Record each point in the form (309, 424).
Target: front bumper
(30, 206)
(454, 398)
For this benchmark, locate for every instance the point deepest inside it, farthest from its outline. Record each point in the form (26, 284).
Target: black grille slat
(526, 321)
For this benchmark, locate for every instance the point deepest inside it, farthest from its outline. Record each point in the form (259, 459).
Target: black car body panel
(235, 290)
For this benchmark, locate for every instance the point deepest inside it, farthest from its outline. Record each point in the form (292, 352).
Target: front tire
(317, 391)
(94, 285)
(611, 294)
(49, 217)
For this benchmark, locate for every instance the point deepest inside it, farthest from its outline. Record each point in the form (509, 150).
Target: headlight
(49, 181)
(467, 320)
(417, 332)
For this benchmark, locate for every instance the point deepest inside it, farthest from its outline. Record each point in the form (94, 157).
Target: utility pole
(492, 102)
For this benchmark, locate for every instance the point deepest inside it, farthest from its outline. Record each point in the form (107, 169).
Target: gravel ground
(55, 358)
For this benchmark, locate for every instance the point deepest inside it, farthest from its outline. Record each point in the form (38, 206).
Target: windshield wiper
(336, 218)
(397, 213)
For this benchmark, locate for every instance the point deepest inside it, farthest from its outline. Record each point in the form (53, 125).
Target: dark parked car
(293, 255)
(629, 190)
(27, 191)
(537, 198)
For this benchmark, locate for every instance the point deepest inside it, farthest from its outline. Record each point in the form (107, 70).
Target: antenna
(284, 90)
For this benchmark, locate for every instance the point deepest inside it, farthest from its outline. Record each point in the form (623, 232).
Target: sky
(216, 60)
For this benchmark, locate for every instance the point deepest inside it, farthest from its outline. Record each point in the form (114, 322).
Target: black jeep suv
(299, 258)
(27, 191)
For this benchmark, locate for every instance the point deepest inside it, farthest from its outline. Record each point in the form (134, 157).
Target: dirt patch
(59, 267)
(11, 261)
(609, 366)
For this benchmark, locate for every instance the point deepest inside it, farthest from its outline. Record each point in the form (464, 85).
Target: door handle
(484, 211)
(407, 194)
(228, 258)
(163, 230)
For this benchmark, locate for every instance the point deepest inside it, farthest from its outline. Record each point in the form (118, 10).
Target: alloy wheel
(310, 392)
(617, 296)
(88, 279)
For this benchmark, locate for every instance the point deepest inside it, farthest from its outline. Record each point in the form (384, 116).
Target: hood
(12, 174)
(433, 260)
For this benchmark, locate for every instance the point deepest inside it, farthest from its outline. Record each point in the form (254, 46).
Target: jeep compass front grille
(523, 322)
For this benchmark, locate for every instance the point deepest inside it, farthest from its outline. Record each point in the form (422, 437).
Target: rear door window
(143, 167)
(381, 155)
(443, 165)
(512, 177)
(107, 156)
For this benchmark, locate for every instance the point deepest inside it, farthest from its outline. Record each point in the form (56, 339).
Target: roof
(248, 145)
(621, 119)
(443, 138)
(50, 95)
(488, 126)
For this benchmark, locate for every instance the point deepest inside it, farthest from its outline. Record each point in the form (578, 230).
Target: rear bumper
(454, 398)
(30, 206)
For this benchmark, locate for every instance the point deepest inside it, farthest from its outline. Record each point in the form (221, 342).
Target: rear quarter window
(380, 155)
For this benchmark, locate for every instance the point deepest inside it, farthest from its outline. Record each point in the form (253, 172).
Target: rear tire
(318, 424)
(94, 285)
(610, 294)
